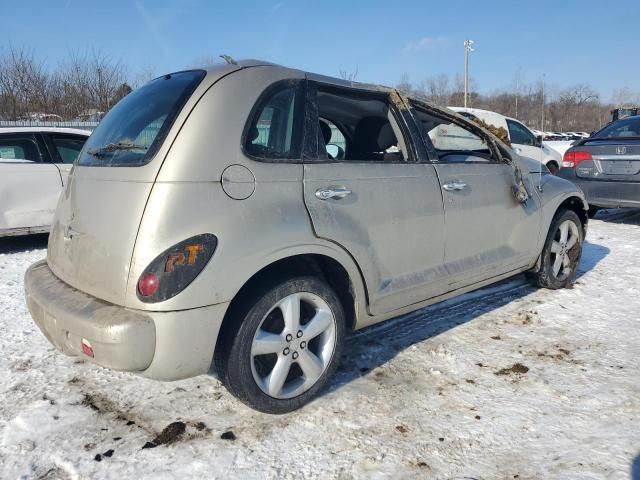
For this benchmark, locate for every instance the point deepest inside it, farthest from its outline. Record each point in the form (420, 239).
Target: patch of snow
(504, 382)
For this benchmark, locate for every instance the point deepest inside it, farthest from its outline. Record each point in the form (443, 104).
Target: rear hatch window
(134, 129)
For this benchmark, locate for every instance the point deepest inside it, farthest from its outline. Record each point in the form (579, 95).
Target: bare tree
(91, 82)
(349, 76)
(404, 85)
(436, 89)
(25, 86)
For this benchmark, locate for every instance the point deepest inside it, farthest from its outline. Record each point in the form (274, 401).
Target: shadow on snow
(376, 345)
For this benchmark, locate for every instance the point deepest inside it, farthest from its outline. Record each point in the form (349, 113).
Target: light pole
(467, 49)
(542, 128)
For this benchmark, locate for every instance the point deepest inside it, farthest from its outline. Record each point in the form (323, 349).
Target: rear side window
(131, 133)
(274, 130)
(68, 146)
(19, 149)
(519, 134)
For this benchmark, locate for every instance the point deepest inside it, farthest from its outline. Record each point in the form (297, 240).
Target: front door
(366, 194)
(488, 232)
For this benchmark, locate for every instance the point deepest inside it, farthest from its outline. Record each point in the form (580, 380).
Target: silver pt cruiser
(243, 219)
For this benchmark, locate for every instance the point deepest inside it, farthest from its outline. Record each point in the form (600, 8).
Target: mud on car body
(247, 217)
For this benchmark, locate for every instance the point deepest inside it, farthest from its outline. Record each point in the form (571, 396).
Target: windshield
(134, 129)
(628, 127)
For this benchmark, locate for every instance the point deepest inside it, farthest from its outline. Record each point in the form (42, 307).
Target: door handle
(454, 186)
(335, 193)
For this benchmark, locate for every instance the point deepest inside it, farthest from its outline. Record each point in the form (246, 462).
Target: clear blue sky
(570, 41)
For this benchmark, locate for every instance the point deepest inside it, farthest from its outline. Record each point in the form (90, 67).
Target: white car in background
(523, 140)
(34, 165)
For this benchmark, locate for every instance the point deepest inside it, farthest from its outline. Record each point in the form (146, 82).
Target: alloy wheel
(563, 249)
(293, 345)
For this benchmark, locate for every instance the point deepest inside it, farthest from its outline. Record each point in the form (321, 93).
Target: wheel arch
(345, 279)
(577, 205)
(570, 201)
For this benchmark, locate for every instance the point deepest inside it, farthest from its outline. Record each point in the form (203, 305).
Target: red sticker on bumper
(87, 349)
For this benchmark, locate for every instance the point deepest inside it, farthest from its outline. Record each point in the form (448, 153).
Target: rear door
(373, 198)
(29, 183)
(487, 232)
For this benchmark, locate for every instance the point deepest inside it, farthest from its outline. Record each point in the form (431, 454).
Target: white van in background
(523, 141)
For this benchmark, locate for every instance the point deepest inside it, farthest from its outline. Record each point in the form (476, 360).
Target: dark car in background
(606, 166)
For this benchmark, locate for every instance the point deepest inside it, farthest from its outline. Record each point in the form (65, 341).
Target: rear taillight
(148, 284)
(175, 268)
(572, 158)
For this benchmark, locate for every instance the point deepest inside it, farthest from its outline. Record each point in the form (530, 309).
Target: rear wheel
(287, 346)
(561, 253)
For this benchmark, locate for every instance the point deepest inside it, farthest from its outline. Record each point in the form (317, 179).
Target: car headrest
(386, 137)
(365, 137)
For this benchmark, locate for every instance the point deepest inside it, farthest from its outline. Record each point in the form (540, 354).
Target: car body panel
(390, 236)
(387, 202)
(504, 230)
(28, 195)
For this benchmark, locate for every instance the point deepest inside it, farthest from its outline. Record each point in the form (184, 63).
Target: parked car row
(563, 136)
(212, 221)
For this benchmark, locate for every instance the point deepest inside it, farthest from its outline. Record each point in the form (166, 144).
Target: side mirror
(538, 142)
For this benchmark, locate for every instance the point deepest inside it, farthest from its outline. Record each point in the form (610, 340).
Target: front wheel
(287, 346)
(561, 253)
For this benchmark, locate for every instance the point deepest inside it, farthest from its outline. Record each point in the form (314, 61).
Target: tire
(549, 275)
(553, 168)
(592, 211)
(267, 363)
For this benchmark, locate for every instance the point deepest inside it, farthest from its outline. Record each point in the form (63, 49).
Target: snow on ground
(509, 382)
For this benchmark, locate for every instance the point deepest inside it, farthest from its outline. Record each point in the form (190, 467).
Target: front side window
(520, 135)
(68, 146)
(273, 131)
(133, 130)
(453, 142)
(19, 149)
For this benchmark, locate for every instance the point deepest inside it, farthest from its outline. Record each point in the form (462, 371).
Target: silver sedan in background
(606, 166)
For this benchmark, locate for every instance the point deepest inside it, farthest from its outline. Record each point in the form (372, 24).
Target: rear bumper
(603, 193)
(161, 345)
